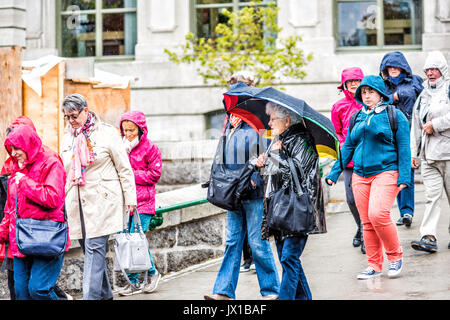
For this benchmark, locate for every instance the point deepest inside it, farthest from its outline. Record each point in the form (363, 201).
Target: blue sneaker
(367, 274)
(395, 268)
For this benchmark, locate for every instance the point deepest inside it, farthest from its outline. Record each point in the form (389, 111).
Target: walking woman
(341, 113)
(293, 141)
(382, 167)
(145, 159)
(38, 179)
(100, 188)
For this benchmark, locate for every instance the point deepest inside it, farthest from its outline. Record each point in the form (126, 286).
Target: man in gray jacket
(430, 142)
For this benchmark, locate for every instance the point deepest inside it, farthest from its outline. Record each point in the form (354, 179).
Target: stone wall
(187, 237)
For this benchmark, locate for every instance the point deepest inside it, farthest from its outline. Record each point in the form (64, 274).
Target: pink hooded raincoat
(40, 192)
(342, 110)
(145, 159)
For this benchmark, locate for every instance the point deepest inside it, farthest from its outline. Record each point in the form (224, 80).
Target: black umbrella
(249, 104)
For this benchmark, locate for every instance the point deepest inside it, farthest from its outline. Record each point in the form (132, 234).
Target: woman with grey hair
(293, 141)
(100, 188)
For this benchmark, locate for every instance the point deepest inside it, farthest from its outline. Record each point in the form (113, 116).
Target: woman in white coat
(100, 188)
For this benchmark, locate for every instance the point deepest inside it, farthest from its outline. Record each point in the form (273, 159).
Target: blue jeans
(405, 198)
(35, 278)
(247, 219)
(293, 281)
(145, 222)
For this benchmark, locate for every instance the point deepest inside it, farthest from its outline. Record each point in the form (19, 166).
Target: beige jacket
(109, 185)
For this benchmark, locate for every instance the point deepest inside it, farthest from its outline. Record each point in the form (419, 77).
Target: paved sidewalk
(331, 264)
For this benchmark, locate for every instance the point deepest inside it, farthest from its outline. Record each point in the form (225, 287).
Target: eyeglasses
(273, 119)
(354, 81)
(71, 116)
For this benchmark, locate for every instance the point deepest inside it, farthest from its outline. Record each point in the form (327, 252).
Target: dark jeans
(405, 198)
(294, 285)
(247, 252)
(348, 172)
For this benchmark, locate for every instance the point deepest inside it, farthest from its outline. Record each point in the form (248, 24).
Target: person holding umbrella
(382, 160)
(293, 141)
(241, 145)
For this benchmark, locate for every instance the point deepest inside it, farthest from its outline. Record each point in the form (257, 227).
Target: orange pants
(374, 197)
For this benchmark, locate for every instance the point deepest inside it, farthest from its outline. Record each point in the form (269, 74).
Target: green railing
(192, 203)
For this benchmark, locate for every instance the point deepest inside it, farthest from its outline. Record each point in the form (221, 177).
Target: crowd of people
(387, 126)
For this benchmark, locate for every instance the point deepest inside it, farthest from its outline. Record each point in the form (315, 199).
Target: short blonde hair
(242, 76)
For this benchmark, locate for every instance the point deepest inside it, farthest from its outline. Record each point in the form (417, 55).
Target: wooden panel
(108, 103)
(10, 91)
(45, 111)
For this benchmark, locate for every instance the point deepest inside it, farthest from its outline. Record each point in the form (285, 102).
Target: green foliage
(248, 41)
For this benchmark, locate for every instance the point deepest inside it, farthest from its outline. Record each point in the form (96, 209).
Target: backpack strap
(392, 115)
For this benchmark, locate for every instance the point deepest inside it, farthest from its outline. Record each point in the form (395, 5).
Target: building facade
(128, 37)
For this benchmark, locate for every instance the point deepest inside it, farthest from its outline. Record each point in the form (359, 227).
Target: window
(97, 28)
(209, 13)
(379, 23)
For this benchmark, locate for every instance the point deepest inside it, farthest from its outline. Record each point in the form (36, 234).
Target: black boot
(357, 239)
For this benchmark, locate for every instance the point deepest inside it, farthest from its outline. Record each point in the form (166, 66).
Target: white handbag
(131, 250)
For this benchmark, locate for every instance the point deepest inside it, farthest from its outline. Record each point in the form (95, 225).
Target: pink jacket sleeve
(337, 123)
(151, 175)
(50, 193)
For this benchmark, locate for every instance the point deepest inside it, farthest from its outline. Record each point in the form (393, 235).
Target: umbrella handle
(270, 146)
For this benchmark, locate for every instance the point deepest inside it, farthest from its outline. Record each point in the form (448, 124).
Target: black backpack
(392, 116)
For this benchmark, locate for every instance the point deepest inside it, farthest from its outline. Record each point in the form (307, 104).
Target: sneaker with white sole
(395, 267)
(130, 290)
(368, 273)
(153, 283)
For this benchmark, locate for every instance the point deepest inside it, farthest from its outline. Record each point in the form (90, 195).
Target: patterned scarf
(235, 120)
(83, 154)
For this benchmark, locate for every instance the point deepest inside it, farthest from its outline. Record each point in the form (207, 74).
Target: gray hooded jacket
(432, 105)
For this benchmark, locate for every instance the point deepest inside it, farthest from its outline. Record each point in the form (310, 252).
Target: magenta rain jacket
(145, 159)
(342, 110)
(40, 192)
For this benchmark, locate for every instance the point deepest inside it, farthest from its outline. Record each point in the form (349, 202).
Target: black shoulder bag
(291, 211)
(223, 183)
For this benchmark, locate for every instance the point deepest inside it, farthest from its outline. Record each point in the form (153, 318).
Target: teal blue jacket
(371, 146)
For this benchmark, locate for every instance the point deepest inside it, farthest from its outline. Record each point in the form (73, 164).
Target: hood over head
(138, 118)
(375, 82)
(25, 138)
(394, 59)
(22, 120)
(436, 59)
(354, 73)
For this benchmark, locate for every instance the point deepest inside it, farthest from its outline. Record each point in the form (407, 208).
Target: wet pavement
(331, 264)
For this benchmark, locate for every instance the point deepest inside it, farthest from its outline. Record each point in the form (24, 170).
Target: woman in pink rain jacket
(145, 159)
(341, 113)
(39, 179)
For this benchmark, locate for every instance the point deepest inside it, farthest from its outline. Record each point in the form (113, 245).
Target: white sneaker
(153, 283)
(130, 290)
(368, 273)
(395, 268)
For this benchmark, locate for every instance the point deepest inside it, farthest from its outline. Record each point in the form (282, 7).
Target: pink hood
(40, 192)
(343, 109)
(145, 159)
